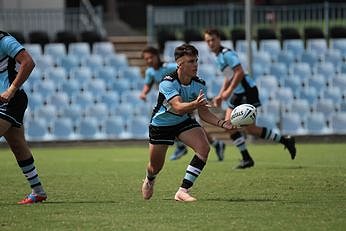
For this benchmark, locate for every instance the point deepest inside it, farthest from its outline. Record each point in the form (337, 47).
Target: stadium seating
(62, 129)
(292, 124)
(316, 124)
(37, 130)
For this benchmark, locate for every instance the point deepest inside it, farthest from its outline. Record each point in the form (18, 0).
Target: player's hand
(217, 101)
(7, 95)
(226, 124)
(143, 97)
(201, 100)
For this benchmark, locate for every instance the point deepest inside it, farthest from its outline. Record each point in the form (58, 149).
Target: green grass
(98, 188)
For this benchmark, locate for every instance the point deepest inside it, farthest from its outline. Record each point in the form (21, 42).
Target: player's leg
(252, 97)
(197, 140)
(180, 150)
(240, 142)
(270, 134)
(219, 146)
(157, 154)
(16, 140)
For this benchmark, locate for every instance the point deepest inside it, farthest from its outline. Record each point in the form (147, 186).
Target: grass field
(98, 188)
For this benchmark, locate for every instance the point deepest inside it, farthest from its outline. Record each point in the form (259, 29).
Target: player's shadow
(246, 200)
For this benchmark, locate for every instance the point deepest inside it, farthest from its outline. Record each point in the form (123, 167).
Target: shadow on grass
(60, 202)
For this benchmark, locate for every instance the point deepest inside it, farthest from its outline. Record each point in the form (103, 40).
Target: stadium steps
(131, 46)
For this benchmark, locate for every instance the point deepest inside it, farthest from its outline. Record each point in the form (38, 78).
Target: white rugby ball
(243, 115)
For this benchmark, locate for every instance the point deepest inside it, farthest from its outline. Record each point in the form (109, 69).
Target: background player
(238, 87)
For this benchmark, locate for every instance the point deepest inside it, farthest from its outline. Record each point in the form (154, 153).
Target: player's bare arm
(188, 107)
(26, 66)
(236, 79)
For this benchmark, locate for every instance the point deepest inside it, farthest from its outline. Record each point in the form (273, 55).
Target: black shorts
(13, 111)
(250, 96)
(167, 134)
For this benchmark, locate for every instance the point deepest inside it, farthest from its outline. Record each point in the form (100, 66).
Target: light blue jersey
(9, 48)
(226, 61)
(164, 114)
(153, 76)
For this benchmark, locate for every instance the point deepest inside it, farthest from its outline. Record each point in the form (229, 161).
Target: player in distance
(238, 88)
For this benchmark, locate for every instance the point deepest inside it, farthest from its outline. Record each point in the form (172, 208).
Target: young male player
(238, 88)
(155, 72)
(180, 93)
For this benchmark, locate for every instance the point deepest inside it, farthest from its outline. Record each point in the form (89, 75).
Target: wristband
(223, 123)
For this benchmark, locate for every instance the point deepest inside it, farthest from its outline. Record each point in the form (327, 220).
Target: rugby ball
(243, 115)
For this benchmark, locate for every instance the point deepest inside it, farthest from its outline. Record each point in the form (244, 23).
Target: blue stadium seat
(286, 57)
(340, 81)
(334, 56)
(88, 129)
(94, 62)
(125, 110)
(310, 57)
(263, 58)
(303, 70)
(81, 74)
(318, 45)
(44, 62)
(107, 73)
(284, 95)
(279, 70)
(69, 62)
(300, 106)
(318, 82)
(114, 127)
(258, 70)
(294, 83)
(131, 97)
(292, 124)
(103, 48)
(117, 61)
(138, 127)
(121, 85)
(273, 107)
(35, 101)
(241, 46)
(295, 46)
(339, 44)
(57, 74)
(272, 46)
(316, 124)
(62, 129)
(333, 93)
(71, 87)
(56, 50)
(100, 111)
(47, 113)
(339, 123)
(326, 69)
(37, 130)
(46, 87)
(130, 73)
(267, 83)
(75, 113)
(111, 99)
(83, 99)
(79, 49)
(326, 106)
(96, 87)
(310, 94)
(59, 100)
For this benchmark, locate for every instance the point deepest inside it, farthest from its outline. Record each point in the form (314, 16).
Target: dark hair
(151, 50)
(185, 49)
(212, 31)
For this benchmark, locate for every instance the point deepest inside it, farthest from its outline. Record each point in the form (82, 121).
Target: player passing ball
(180, 93)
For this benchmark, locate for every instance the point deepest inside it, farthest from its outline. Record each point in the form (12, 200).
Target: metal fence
(232, 16)
(51, 20)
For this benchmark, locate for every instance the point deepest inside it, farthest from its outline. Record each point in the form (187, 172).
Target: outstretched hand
(202, 100)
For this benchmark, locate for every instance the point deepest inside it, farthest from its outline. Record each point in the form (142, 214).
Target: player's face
(151, 60)
(189, 65)
(213, 42)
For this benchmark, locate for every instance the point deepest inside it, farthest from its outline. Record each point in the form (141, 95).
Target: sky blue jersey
(153, 76)
(227, 60)
(9, 48)
(163, 113)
